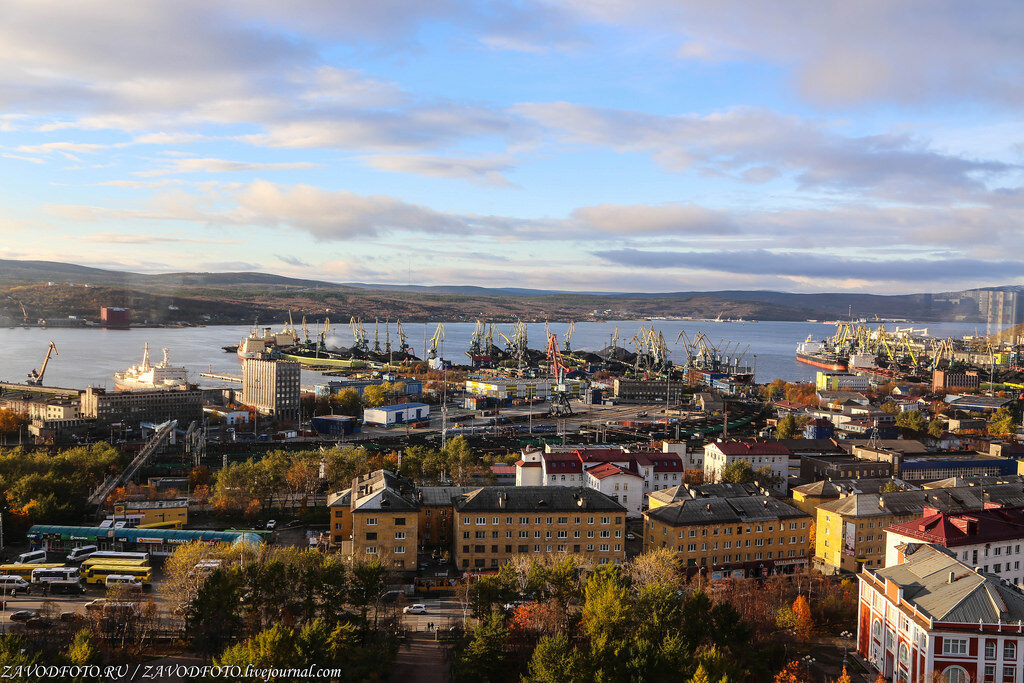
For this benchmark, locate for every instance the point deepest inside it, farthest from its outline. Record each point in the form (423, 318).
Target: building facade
(272, 388)
(932, 614)
(723, 537)
(493, 524)
(758, 454)
(133, 407)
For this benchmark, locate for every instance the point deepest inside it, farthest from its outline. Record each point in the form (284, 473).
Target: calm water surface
(90, 356)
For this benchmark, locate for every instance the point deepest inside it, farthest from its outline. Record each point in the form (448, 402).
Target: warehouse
(400, 413)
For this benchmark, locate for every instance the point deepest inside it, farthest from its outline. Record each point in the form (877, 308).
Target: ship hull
(820, 362)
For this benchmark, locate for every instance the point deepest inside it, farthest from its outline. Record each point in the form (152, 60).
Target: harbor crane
(35, 378)
(567, 340)
(376, 335)
(435, 340)
(559, 394)
(358, 334)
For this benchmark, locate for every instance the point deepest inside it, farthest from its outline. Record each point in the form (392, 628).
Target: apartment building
(435, 522)
(495, 523)
(850, 531)
(134, 407)
(656, 469)
(990, 539)
(380, 516)
(731, 537)
(758, 454)
(934, 617)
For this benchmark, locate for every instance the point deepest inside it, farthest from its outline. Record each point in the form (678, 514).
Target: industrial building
(134, 407)
(650, 391)
(335, 425)
(115, 317)
(272, 388)
(405, 386)
(158, 542)
(400, 413)
(507, 389)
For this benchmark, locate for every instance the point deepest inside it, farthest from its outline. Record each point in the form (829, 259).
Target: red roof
(752, 448)
(562, 463)
(981, 526)
(523, 463)
(607, 469)
(504, 469)
(663, 462)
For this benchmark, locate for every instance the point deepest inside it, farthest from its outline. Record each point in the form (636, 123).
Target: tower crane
(567, 341)
(435, 340)
(376, 335)
(35, 378)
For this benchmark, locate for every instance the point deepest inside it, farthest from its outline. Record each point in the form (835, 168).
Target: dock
(237, 379)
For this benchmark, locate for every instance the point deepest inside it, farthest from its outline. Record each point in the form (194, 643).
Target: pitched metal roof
(723, 511)
(948, 590)
(535, 499)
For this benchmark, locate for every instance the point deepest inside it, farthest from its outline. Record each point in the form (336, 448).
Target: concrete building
(731, 537)
(758, 454)
(657, 470)
(145, 512)
(990, 539)
(842, 467)
(134, 407)
(380, 515)
(272, 388)
(944, 379)
(436, 519)
(508, 389)
(851, 530)
(650, 391)
(495, 523)
(840, 381)
(398, 414)
(621, 485)
(933, 614)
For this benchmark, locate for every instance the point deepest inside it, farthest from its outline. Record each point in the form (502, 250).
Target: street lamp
(846, 635)
(808, 662)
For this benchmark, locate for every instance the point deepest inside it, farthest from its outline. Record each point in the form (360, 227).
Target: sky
(582, 145)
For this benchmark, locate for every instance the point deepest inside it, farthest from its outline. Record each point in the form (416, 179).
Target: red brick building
(932, 614)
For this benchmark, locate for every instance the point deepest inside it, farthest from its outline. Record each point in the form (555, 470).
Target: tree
(804, 621)
(83, 650)
(554, 660)
(1003, 423)
(347, 402)
(212, 618)
(891, 408)
(911, 422)
(368, 581)
(936, 428)
(890, 487)
(738, 472)
(375, 396)
(844, 678)
(485, 659)
(787, 428)
(792, 673)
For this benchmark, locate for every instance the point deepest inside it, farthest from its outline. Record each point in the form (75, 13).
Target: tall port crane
(435, 340)
(567, 340)
(559, 394)
(358, 334)
(35, 378)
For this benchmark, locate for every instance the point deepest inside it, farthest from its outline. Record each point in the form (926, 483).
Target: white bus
(58, 579)
(133, 582)
(82, 552)
(31, 557)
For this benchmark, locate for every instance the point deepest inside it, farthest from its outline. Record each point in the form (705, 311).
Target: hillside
(57, 290)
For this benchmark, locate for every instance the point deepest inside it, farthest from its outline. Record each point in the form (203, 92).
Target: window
(954, 646)
(481, 520)
(904, 654)
(1009, 650)
(1009, 672)
(371, 550)
(371, 521)
(399, 535)
(371, 536)
(399, 521)
(990, 649)
(876, 629)
(990, 672)
(399, 549)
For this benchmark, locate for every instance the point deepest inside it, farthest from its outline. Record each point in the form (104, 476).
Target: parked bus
(60, 579)
(82, 552)
(116, 555)
(31, 557)
(25, 570)
(127, 562)
(99, 573)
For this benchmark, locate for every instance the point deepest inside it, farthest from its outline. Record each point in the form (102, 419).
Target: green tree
(936, 428)
(554, 660)
(738, 472)
(788, 427)
(367, 582)
(890, 487)
(1003, 423)
(486, 658)
(83, 650)
(911, 423)
(461, 463)
(347, 402)
(213, 618)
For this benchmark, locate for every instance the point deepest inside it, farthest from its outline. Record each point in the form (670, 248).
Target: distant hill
(52, 289)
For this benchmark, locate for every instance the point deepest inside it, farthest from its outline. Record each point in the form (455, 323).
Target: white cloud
(483, 170)
(196, 165)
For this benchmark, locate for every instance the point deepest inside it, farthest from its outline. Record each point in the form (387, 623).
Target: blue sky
(642, 145)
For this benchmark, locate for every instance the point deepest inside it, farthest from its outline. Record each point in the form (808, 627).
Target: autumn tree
(738, 472)
(804, 620)
(787, 427)
(792, 673)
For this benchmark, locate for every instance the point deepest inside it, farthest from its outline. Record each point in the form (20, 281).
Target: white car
(271, 524)
(415, 609)
(630, 537)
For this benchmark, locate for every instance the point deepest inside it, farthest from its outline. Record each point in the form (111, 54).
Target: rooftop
(948, 590)
(952, 530)
(723, 510)
(536, 499)
(751, 448)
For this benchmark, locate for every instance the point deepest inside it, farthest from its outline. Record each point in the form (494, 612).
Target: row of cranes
(902, 347)
(361, 342)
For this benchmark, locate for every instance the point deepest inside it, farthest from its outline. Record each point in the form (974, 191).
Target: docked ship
(163, 375)
(262, 346)
(818, 354)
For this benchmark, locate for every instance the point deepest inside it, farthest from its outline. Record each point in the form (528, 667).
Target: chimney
(952, 577)
(502, 500)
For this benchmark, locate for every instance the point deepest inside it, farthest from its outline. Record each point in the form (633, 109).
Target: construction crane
(376, 335)
(387, 337)
(403, 342)
(35, 378)
(567, 341)
(358, 334)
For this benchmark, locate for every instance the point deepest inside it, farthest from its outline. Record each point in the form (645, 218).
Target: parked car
(71, 616)
(271, 523)
(38, 622)
(391, 597)
(23, 615)
(630, 536)
(415, 609)
(95, 605)
(292, 524)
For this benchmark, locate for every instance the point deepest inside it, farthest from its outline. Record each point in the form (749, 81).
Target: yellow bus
(98, 573)
(111, 562)
(161, 525)
(25, 570)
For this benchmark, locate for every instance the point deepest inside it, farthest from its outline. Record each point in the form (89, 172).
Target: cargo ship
(816, 353)
(163, 375)
(261, 346)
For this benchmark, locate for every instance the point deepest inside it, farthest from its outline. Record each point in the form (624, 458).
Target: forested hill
(56, 290)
